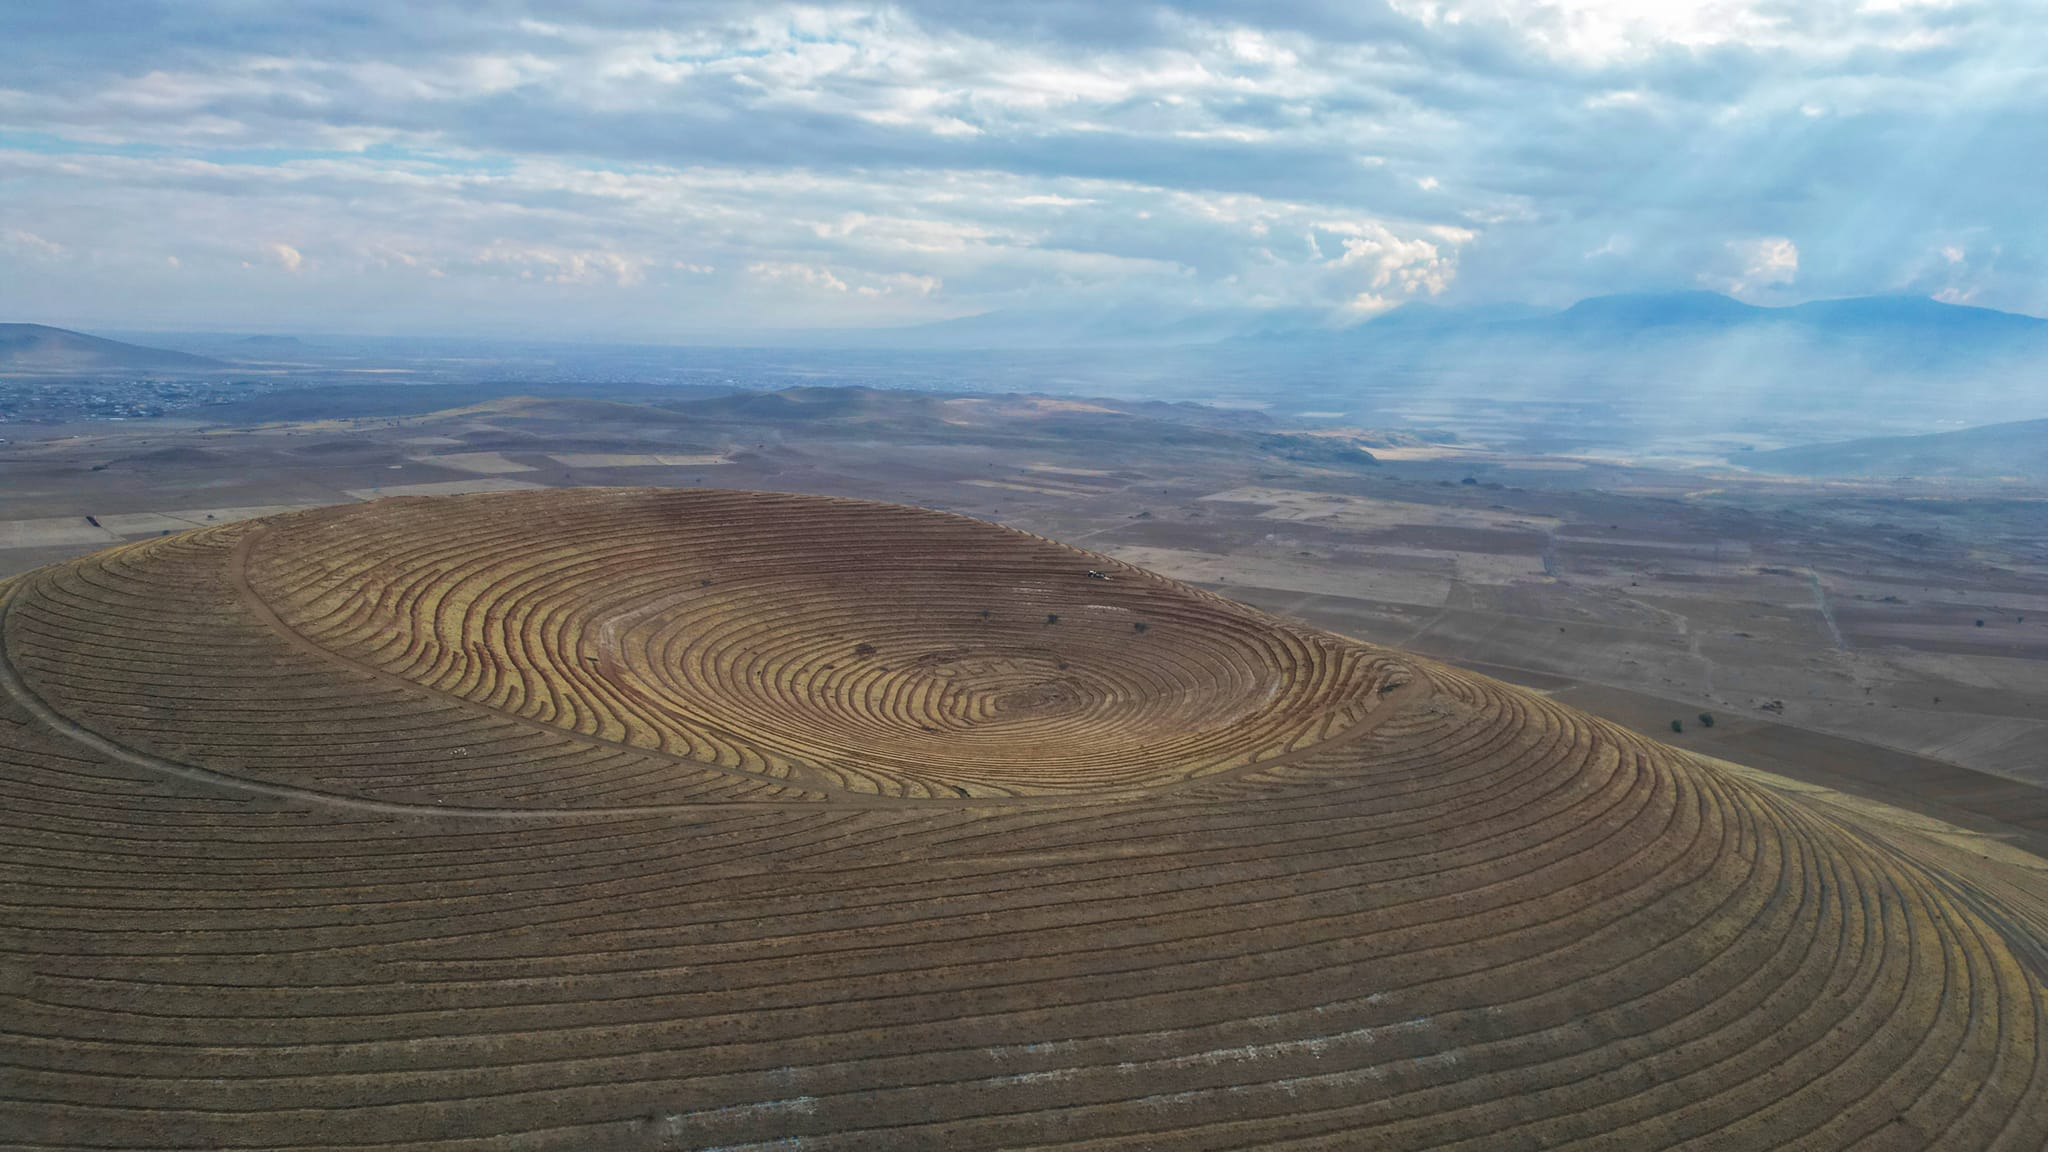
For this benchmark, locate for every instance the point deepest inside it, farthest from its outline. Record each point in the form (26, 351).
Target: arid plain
(676, 817)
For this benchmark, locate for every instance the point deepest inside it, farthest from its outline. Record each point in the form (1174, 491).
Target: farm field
(631, 817)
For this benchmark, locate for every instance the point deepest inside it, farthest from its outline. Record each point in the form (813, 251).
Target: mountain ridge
(1659, 313)
(2017, 448)
(40, 348)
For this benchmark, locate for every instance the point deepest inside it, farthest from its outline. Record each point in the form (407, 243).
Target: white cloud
(1755, 263)
(386, 253)
(1368, 304)
(805, 275)
(1617, 98)
(928, 160)
(1615, 245)
(31, 243)
(1770, 260)
(1411, 266)
(904, 283)
(556, 265)
(1599, 33)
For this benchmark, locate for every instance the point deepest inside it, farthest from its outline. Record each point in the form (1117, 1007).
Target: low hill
(614, 818)
(1914, 314)
(573, 410)
(38, 348)
(2016, 449)
(1637, 311)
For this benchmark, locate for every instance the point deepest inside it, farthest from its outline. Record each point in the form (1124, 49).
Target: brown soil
(625, 818)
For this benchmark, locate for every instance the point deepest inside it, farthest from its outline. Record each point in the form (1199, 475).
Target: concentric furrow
(1446, 914)
(151, 645)
(878, 649)
(1670, 981)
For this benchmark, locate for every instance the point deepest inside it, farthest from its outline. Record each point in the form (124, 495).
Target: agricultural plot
(632, 818)
(443, 488)
(52, 531)
(1354, 513)
(481, 463)
(638, 459)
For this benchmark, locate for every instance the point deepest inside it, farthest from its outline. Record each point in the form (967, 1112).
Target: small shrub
(1677, 727)
(1139, 626)
(1052, 617)
(1706, 719)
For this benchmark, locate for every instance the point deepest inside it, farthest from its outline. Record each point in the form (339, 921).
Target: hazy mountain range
(1703, 359)
(37, 349)
(1658, 315)
(1626, 318)
(2017, 449)
(1685, 362)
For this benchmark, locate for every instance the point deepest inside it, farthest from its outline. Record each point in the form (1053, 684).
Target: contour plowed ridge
(864, 826)
(866, 648)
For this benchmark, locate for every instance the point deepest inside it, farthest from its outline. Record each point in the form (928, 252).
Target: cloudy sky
(643, 169)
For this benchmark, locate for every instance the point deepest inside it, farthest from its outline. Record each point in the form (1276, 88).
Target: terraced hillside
(646, 819)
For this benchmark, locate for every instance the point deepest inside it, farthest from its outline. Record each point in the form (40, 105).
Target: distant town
(61, 402)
